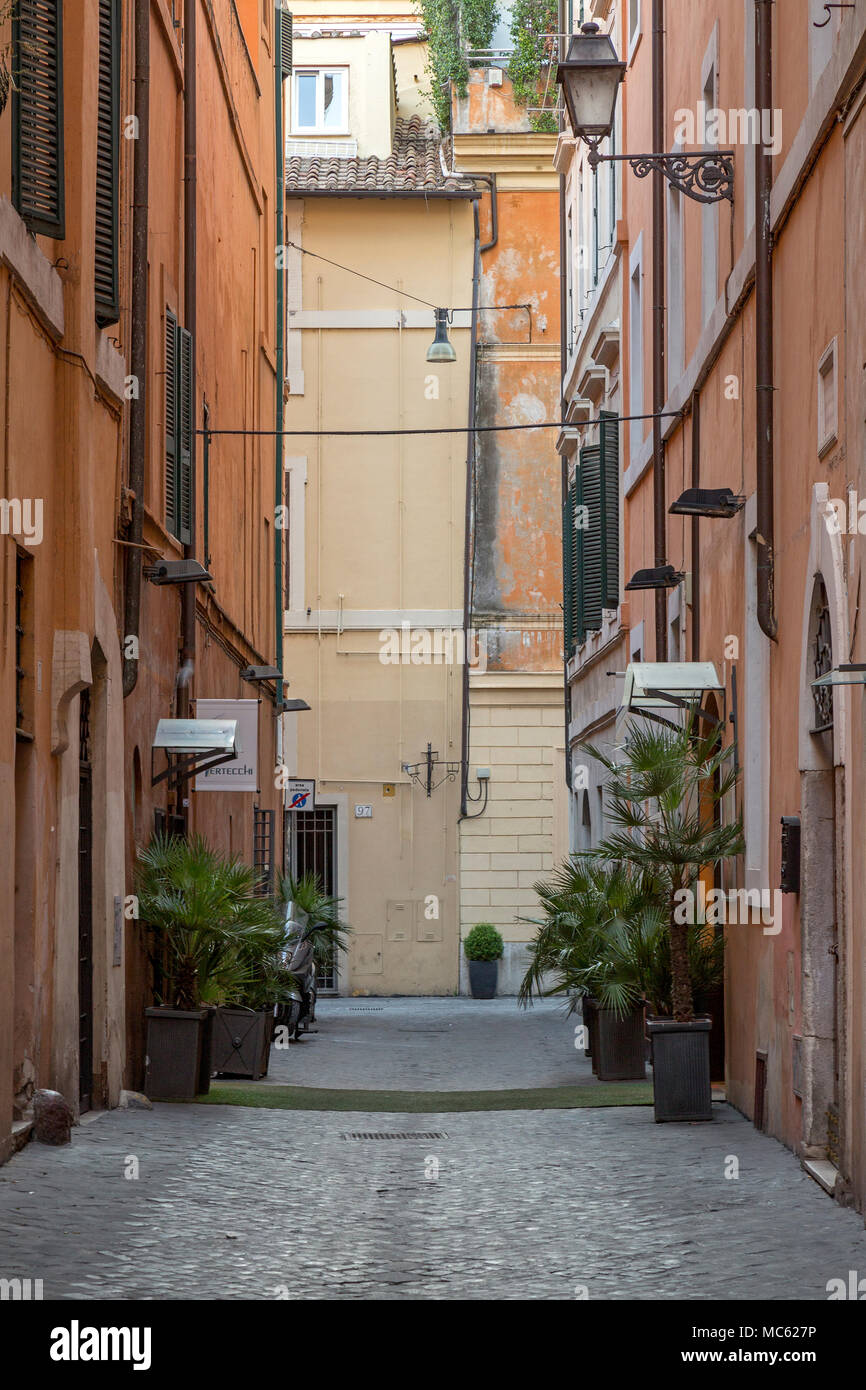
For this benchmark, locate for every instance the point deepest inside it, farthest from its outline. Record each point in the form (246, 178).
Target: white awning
(196, 735)
(666, 685)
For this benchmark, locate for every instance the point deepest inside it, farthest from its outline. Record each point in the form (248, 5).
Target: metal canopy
(853, 674)
(192, 745)
(669, 686)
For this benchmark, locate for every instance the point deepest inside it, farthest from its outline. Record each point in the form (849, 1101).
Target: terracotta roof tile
(412, 167)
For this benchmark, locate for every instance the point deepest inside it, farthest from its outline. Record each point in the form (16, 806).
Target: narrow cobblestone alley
(230, 1202)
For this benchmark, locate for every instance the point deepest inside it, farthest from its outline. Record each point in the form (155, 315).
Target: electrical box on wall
(494, 77)
(790, 874)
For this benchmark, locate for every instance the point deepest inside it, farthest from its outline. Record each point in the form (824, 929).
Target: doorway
(311, 842)
(85, 906)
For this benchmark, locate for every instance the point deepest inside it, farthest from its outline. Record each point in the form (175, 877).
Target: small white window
(635, 329)
(320, 101)
(710, 211)
(828, 420)
(634, 27)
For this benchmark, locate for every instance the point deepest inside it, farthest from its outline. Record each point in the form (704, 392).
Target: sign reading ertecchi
(240, 774)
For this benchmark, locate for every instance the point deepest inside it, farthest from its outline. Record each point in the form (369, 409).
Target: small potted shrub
(483, 947)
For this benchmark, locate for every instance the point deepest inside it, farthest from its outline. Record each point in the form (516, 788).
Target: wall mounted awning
(191, 745)
(653, 688)
(853, 674)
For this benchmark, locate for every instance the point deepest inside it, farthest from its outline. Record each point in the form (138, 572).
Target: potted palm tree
(483, 948)
(601, 927)
(206, 927)
(664, 798)
(603, 941)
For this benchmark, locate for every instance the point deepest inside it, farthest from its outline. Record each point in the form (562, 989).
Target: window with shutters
(105, 253)
(590, 533)
(179, 429)
(37, 116)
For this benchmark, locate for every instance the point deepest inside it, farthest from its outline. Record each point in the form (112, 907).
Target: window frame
(828, 363)
(320, 128)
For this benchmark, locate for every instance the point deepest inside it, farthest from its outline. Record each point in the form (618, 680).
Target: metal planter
(483, 975)
(681, 1069)
(241, 1042)
(620, 1045)
(175, 1040)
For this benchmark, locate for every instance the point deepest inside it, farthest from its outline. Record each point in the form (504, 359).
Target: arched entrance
(822, 754)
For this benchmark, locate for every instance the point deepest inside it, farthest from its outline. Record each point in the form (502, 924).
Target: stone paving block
(230, 1202)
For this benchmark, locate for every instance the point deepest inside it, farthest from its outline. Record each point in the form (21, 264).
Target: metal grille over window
(263, 851)
(20, 671)
(822, 661)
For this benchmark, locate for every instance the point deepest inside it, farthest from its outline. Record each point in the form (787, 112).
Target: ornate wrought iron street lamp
(590, 75)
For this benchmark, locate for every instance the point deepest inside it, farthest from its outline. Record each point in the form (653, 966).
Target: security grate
(373, 1134)
(263, 850)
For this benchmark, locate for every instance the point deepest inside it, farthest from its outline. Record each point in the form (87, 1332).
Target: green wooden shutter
(568, 573)
(186, 436)
(171, 422)
(593, 542)
(107, 292)
(37, 116)
(284, 42)
(577, 535)
(610, 508)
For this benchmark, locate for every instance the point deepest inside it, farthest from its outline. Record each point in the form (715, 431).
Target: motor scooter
(299, 1013)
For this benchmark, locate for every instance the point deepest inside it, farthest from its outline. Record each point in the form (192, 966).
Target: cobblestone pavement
(434, 1045)
(237, 1203)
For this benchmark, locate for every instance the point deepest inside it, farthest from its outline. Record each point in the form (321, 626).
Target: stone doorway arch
(823, 743)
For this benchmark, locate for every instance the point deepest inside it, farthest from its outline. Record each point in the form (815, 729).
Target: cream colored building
(376, 523)
(515, 828)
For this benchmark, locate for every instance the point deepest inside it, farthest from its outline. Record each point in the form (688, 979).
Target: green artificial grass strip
(267, 1097)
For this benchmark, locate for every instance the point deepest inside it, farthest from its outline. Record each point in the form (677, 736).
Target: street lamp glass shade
(441, 350)
(590, 75)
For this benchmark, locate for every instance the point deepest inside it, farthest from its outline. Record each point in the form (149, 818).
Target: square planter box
(175, 1043)
(620, 1046)
(681, 1069)
(241, 1042)
(482, 978)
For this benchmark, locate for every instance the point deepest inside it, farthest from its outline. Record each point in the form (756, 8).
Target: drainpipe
(658, 291)
(468, 514)
(764, 328)
(138, 351)
(696, 541)
(188, 595)
(563, 404)
(490, 180)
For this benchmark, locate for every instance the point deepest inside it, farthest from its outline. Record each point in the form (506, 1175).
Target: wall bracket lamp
(590, 75)
(662, 577)
(177, 572)
(706, 501)
(432, 771)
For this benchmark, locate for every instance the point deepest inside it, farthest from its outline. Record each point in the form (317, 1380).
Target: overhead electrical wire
(443, 429)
